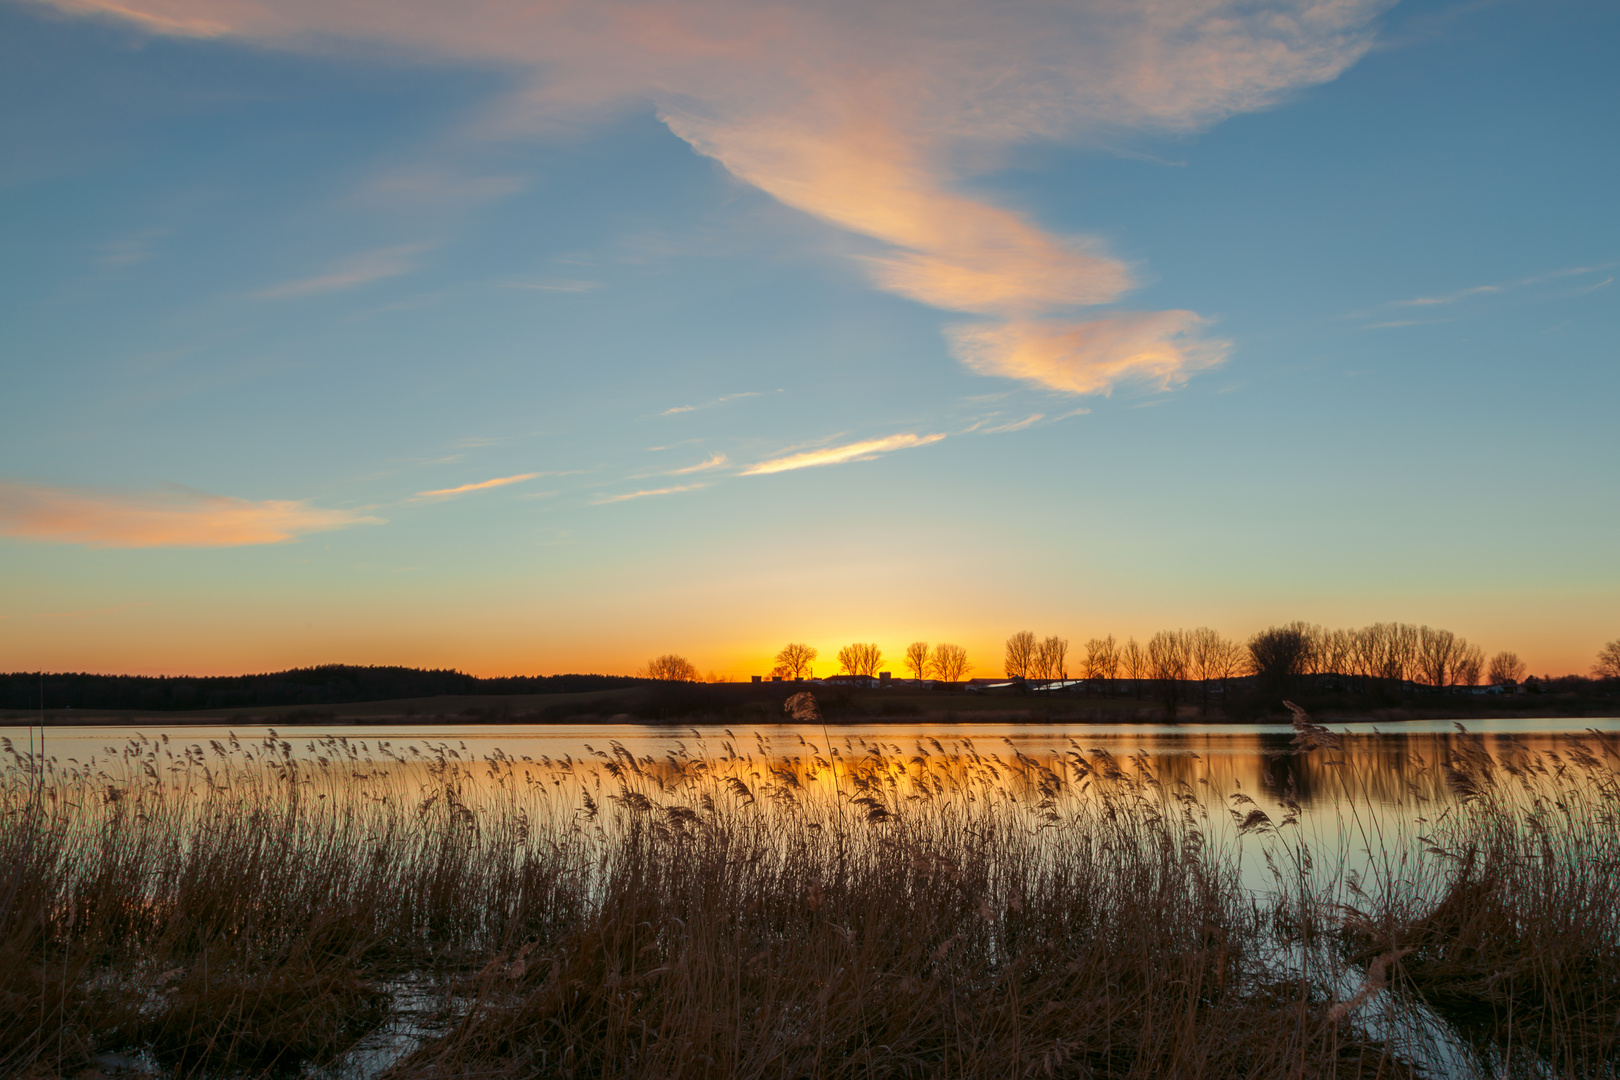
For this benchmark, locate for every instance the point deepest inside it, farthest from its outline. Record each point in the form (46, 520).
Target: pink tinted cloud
(348, 273)
(1160, 348)
(876, 116)
(162, 519)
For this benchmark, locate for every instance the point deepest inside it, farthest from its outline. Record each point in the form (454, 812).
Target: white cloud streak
(604, 500)
(716, 460)
(1502, 287)
(678, 409)
(839, 455)
(482, 485)
(1016, 425)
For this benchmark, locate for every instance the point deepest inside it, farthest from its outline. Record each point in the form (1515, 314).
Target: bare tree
(1608, 661)
(917, 659)
(950, 663)
(1020, 654)
(1229, 660)
(1037, 661)
(1469, 663)
(671, 668)
(1102, 660)
(1167, 665)
(1312, 635)
(1440, 658)
(1050, 659)
(795, 660)
(1368, 649)
(1506, 669)
(1211, 655)
(1434, 655)
(1401, 653)
(860, 659)
(1280, 654)
(1334, 649)
(1133, 659)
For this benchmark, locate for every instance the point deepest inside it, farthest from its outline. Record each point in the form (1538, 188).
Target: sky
(542, 337)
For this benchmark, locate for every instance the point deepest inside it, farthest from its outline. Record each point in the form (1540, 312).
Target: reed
(868, 910)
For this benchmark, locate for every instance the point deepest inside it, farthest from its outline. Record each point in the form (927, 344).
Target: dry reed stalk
(245, 909)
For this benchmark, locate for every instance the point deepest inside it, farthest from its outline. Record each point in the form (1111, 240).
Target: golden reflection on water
(1388, 768)
(1362, 803)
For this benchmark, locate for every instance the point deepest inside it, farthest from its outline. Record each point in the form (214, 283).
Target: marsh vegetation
(746, 909)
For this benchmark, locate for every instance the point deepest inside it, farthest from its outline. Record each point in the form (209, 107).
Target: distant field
(751, 703)
(717, 703)
(448, 705)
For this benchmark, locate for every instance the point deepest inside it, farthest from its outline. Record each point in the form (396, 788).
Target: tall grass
(920, 911)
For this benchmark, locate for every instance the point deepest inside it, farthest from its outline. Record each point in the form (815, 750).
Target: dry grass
(938, 912)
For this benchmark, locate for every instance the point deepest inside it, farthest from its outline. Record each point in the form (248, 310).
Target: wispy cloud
(428, 183)
(171, 518)
(482, 485)
(711, 404)
(562, 285)
(1016, 425)
(873, 118)
(131, 249)
(1396, 324)
(1501, 287)
(348, 273)
(838, 455)
(603, 500)
(150, 19)
(715, 461)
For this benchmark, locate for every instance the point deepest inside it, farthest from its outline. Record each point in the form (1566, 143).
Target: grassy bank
(751, 704)
(770, 911)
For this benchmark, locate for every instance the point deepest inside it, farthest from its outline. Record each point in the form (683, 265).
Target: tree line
(1356, 659)
(1385, 652)
(327, 684)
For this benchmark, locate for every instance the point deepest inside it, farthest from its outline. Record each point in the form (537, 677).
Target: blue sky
(1328, 337)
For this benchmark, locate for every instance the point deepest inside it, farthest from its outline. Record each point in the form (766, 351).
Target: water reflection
(1388, 768)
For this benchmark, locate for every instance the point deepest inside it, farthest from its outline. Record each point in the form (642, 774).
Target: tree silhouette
(860, 658)
(795, 659)
(1050, 659)
(1280, 654)
(1020, 654)
(1135, 662)
(1608, 661)
(1102, 660)
(950, 663)
(1167, 665)
(1506, 669)
(671, 668)
(1211, 655)
(917, 659)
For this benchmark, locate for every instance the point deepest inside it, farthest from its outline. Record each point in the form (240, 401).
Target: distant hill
(329, 684)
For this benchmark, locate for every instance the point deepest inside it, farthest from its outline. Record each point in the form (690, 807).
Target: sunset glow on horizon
(543, 338)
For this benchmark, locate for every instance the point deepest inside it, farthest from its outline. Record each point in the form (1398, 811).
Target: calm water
(1218, 757)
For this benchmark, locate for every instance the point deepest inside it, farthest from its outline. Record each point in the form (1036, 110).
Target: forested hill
(331, 684)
